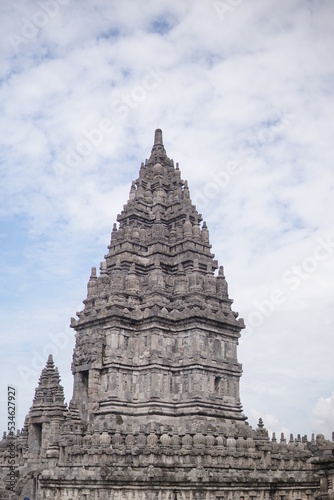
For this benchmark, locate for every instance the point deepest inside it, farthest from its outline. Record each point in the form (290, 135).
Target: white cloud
(255, 88)
(323, 415)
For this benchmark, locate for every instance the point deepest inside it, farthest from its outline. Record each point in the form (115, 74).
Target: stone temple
(156, 412)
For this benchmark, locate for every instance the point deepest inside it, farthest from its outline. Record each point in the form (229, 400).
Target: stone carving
(155, 412)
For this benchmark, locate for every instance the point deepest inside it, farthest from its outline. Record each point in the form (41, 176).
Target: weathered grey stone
(156, 412)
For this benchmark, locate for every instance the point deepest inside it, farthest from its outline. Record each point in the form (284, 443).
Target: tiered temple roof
(155, 412)
(157, 327)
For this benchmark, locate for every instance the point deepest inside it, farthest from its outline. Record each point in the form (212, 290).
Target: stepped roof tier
(49, 395)
(155, 412)
(157, 334)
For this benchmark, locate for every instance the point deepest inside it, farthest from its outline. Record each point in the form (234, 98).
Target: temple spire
(156, 276)
(49, 395)
(158, 150)
(158, 136)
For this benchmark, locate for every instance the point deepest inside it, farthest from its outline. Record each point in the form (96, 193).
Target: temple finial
(158, 151)
(158, 136)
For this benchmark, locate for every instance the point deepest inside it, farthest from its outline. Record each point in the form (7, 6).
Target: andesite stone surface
(156, 412)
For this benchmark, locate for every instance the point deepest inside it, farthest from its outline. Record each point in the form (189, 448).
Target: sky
(243, 91)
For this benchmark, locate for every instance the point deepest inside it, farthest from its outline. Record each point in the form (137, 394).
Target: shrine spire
(158, 149)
